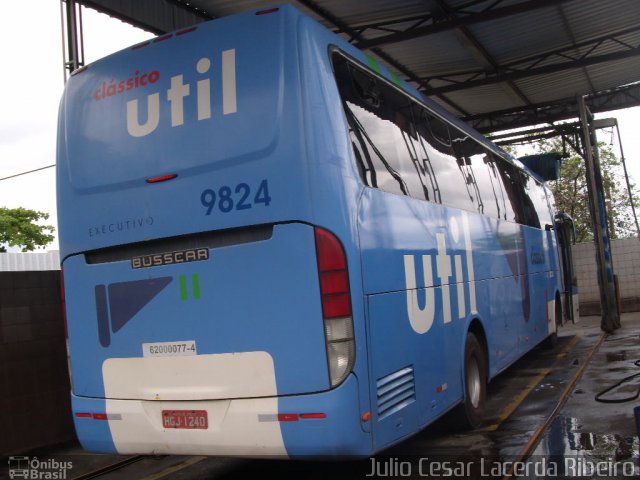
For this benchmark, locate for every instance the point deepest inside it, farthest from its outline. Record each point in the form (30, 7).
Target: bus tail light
(336, 305)
(94, 416)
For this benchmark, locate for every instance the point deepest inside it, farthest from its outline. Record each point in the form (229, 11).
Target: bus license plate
(185, 419)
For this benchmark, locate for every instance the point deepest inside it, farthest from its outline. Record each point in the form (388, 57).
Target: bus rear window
(190, 103)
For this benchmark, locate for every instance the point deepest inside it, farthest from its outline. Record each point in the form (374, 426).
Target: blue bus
(273, 246)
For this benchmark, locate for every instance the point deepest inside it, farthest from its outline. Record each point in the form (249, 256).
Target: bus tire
(475, 384)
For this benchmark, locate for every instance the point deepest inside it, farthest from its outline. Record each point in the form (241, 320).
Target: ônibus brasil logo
(175, 94)
(32, 468)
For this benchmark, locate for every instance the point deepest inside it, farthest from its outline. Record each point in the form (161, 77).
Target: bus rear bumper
(325, 424)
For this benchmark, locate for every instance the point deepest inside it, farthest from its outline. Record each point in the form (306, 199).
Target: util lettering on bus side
(421, 319)
(178, 90)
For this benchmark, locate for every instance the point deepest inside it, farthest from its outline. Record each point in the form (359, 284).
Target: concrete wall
(34, 381)
(626, 266)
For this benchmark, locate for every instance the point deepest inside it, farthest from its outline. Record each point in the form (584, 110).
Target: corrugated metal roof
(499, 45)
(433, 55)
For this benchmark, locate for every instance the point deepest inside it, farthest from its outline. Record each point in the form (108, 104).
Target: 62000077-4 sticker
(239, 197)
(169, 349)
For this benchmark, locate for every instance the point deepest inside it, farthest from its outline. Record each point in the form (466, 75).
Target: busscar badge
(169, 258)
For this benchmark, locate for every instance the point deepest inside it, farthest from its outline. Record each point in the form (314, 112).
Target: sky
(31, 86)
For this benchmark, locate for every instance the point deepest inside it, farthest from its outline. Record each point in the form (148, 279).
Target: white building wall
(626, 265)
(30, 261)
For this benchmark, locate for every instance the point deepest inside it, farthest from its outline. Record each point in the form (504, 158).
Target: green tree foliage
(19, 228)
(571, 195)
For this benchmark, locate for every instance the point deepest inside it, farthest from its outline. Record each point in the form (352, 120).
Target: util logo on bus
(175, 95)
(449, 270)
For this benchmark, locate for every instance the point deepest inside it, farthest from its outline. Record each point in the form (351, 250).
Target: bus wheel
(475, 384)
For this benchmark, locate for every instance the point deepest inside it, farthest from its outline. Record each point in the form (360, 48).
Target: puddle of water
(569, 443)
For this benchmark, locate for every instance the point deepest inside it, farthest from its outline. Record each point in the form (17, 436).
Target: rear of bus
(208, 255)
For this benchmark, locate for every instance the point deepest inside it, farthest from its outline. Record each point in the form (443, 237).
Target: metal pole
(64, 44)
(608, 305)
(74, 55)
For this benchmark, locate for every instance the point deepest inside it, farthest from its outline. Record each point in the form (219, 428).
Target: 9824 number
(240, 197)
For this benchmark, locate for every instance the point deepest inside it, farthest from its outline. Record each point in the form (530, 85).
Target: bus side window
(365, 87)
(381, 148)
(362, 100)
(452, 181)
(439, 130)
(489, 190)
(467, 150)
(530, 213)
(365, 169)
(542, 206)
(511, 187)
(539, 199)
(503, 204)
(380, 122)
(429, 178)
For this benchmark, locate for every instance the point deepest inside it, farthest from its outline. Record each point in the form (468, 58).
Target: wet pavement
(542, 422)
(592, 435)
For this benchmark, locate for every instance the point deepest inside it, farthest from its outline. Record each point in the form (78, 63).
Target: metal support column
(72, 37)
(608, 302)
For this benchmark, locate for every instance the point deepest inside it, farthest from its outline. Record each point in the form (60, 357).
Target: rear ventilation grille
(395, 391)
